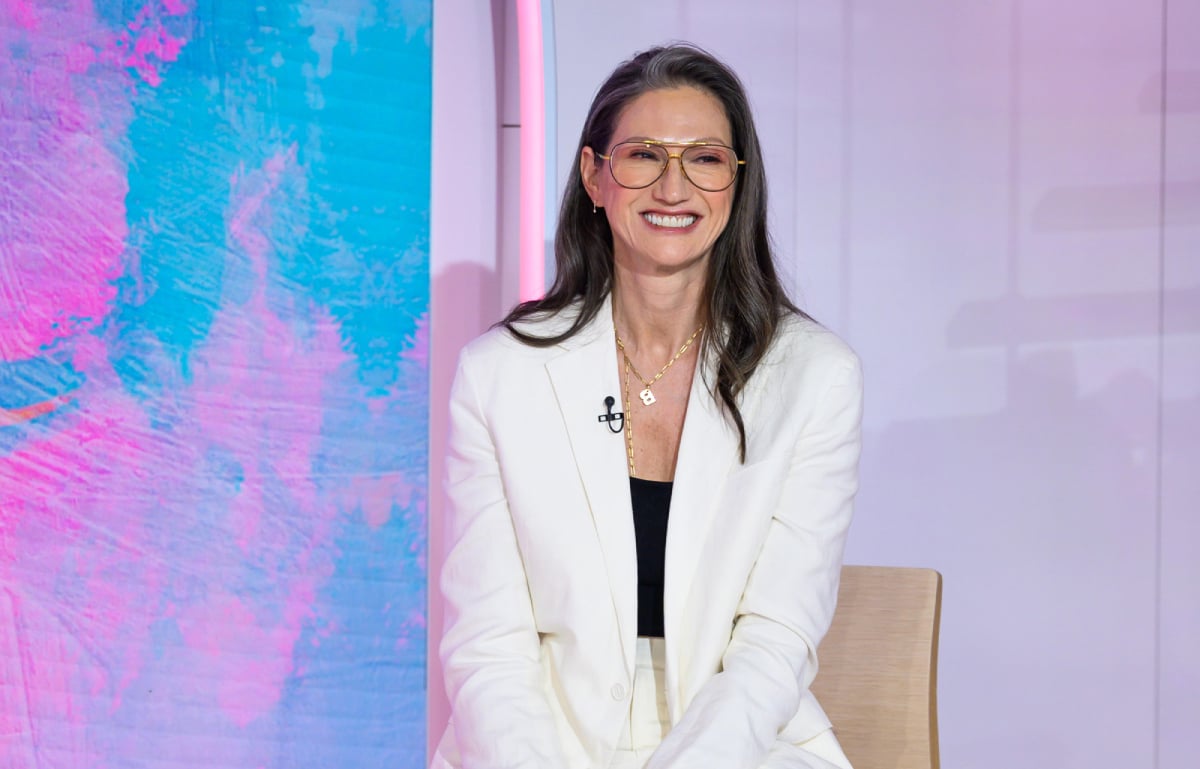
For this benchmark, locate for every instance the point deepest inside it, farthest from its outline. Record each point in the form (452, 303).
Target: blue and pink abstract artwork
(214, 287)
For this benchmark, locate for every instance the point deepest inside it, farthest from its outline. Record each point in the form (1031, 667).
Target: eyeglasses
(638, 164)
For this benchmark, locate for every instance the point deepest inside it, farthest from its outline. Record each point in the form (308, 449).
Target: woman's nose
(673, 184)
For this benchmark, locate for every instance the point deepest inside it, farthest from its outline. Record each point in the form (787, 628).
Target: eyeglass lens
(708, 166)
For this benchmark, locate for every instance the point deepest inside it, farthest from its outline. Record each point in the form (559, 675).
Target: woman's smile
(671, 222)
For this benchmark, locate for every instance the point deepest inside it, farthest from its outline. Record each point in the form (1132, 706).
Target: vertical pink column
(533, 150)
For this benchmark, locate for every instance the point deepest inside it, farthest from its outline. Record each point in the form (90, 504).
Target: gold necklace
(646, 395)
(628, 418)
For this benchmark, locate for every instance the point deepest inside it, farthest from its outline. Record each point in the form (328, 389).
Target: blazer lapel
(582, 377)
(707, 454)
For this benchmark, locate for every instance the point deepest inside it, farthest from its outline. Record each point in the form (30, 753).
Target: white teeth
(670, 221)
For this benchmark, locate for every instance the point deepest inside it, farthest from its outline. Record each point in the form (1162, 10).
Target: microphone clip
(614, 420)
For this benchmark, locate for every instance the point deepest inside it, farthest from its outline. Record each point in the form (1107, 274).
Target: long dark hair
(745, 299)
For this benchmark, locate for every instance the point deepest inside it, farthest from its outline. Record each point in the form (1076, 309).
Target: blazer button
(618, 692)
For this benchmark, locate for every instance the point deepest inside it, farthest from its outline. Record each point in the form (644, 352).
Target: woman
(665, 370)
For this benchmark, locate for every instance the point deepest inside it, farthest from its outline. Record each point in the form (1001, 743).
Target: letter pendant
(647, 397)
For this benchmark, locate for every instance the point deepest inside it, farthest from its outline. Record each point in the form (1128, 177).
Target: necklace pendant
(647, 397)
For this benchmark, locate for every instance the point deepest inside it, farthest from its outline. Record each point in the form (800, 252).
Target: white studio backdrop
(998, 205)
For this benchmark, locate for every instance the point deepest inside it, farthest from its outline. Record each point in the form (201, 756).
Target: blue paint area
(24, 382)
(367, 149)
(28, 382)
(188, 136)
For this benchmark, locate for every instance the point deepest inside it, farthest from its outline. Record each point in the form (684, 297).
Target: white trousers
(649, 721)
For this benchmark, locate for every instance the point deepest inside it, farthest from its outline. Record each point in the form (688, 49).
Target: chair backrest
(877, 676)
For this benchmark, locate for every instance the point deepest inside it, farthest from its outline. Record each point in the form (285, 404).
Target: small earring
(593, 206)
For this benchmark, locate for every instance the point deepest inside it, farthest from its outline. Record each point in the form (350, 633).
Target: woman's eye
(708, 158)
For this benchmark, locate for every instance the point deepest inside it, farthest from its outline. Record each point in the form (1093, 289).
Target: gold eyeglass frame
(673, 156)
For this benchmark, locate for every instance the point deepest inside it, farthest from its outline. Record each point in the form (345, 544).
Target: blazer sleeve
(736, 717)
(490, 650)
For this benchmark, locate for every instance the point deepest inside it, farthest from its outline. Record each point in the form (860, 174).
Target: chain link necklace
(646, 395)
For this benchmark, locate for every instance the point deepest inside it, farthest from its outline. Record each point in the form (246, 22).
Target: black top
(651, 503)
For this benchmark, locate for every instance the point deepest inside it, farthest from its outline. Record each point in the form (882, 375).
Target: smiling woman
(649, 587)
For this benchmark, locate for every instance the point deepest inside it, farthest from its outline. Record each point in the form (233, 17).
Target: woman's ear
(589, 173)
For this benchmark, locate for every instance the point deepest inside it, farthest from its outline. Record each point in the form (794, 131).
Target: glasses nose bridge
(667, 164)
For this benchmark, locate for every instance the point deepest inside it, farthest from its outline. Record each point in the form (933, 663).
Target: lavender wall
(998, 205)
(1179, 387)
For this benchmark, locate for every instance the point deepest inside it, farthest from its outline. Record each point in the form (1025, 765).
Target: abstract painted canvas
(214, 287)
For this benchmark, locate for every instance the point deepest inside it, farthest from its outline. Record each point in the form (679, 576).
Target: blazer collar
(583, 375)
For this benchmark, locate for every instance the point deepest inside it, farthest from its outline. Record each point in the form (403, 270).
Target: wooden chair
(877, 676)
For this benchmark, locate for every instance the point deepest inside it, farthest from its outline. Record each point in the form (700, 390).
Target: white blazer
(540, 575)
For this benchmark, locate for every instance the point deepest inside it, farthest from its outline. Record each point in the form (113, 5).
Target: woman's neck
(657, 314)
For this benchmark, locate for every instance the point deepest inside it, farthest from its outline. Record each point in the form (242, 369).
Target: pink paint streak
(22, 14)
(248, 655)
(376, 495)
(147, 44)
(62, 228)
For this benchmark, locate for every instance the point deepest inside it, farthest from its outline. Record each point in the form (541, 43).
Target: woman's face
(671, 225)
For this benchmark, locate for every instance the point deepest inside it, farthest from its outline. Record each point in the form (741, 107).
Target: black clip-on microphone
(610, 418)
